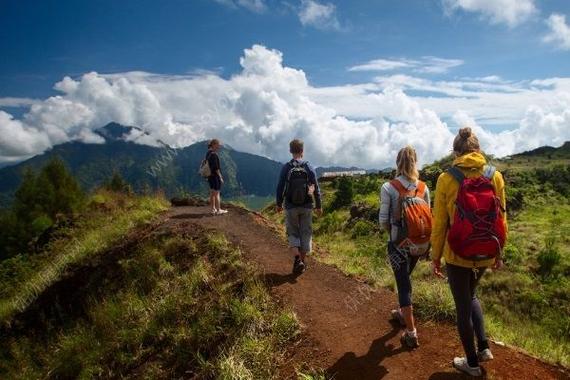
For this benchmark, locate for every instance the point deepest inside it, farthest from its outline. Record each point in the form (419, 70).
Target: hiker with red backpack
(469, 232)
(295, 191)
(405, 215)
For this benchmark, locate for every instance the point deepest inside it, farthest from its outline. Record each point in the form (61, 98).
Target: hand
(319, 212)
(498, 264)
(436, 268)
(278, 209)
(221, 179)
(311, 190)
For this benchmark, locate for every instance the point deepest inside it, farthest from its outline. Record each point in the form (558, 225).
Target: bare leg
(408, 313)
(217, 200)
(213, 200)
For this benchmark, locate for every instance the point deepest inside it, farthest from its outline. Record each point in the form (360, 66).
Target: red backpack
(478, 231)
(413, 218)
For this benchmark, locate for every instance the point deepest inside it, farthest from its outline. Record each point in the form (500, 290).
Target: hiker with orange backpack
(405, 215)
(469, 232)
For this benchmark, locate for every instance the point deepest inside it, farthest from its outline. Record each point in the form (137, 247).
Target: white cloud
(318, 15)
(257, 6)
(262, 107)
(17, 102)
(427, 65)
(559, 31)
(510, 12)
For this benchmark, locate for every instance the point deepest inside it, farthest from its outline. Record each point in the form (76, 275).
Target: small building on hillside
(329, 176)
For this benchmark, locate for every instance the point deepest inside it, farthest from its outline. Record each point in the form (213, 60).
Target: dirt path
(345, 323)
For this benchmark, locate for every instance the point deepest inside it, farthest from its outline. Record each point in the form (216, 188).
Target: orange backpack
(413, 218)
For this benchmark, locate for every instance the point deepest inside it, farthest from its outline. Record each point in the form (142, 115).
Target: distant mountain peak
(115, 131)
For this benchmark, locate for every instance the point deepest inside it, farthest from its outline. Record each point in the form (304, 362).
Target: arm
(440, 222)
(281, 186)
(499, 183)
(427, 196)
(317, 193)
(384, 213)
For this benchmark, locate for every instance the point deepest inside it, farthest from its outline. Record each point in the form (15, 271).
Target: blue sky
(42, 41)
(348, 52)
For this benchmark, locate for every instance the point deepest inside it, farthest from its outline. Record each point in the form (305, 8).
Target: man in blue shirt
(296, 189)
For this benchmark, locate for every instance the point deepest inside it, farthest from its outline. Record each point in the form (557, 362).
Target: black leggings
(463, 282)
(402, 264)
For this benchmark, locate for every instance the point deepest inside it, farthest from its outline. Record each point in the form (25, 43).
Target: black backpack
(297, 188)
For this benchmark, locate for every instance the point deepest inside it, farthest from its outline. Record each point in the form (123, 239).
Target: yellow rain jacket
(471, 165)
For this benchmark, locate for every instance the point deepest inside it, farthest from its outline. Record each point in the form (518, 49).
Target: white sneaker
(214, 212)
(221, 212)
(485, 355)
(462, 365)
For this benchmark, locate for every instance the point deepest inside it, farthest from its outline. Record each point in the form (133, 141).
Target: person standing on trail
(215, 179)
(296, 188)
(405, 215)
(470, 228)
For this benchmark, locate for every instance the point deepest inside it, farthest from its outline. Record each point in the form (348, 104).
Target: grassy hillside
(118, 297)
(527, 303)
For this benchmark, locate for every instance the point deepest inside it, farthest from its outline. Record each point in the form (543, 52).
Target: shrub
(549, 258)
(363, 228)
(330, 223)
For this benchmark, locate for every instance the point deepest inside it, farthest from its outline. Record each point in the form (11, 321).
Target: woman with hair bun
(469, 232)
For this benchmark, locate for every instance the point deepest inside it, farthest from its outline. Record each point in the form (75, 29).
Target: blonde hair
(406, 163)
(213, 142)
(465, 142)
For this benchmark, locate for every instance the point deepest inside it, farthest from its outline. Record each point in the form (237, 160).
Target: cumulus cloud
(559, 33)
(318, 15)
(510, 12)
(262, 107)
(427, 64)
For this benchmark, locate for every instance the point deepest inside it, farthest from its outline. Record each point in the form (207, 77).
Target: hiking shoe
(221, 212)
(298, 266)
(485, 355)
(409, 340)
(398, 317)
(462, 365)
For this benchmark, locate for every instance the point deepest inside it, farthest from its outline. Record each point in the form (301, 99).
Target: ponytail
(406, 163)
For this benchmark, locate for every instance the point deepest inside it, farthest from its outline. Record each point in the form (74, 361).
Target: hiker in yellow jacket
(464, 274)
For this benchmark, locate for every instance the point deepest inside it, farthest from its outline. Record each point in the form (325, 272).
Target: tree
(118, 184)
(38, 202)
(344, 194)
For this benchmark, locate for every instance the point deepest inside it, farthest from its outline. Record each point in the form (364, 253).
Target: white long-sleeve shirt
(389, 202)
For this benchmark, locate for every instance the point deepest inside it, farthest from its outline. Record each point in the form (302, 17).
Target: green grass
(23, 278)
(182, 306)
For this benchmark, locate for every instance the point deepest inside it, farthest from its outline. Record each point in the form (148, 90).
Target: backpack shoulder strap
(420, 189)
(456, 173)
(489, 172)
(399, 187)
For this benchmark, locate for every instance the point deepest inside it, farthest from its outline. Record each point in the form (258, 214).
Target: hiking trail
(345, 323)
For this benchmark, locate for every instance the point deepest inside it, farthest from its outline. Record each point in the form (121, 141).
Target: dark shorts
(214, 182)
